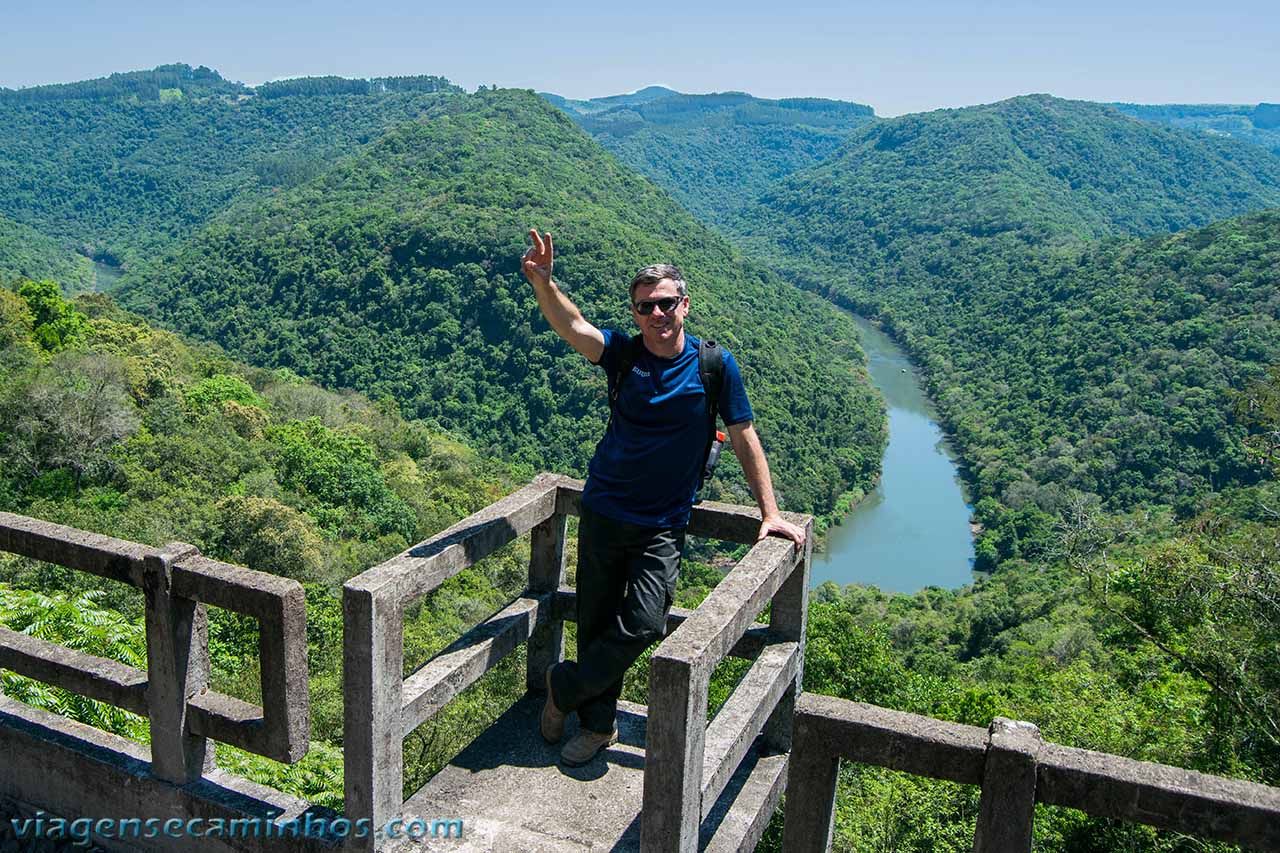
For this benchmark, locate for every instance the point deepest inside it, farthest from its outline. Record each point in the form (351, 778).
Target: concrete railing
(688, 763)
(106, 775)
(1016, 770)
(382, 706)
(71, 769)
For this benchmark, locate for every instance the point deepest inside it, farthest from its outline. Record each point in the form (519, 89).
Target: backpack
(710, 371)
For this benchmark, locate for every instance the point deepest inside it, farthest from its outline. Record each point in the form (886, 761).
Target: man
(640, 489)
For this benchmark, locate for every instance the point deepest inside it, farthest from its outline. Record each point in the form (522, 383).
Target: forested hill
(1025, 169)
(1110, 371)
(396, 273)
(962, 229)
(1257, 123)
(165, 82)
(123, 166)
(715, 152)
(26, 252)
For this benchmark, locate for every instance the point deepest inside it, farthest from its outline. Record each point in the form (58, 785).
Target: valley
(320, 349)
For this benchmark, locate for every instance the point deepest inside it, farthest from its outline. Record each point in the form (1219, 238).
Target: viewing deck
(680, 779)
(513, 795)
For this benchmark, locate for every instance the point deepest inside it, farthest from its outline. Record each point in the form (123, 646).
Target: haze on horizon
(935, 54)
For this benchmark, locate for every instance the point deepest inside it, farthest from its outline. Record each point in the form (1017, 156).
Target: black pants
(626, 583)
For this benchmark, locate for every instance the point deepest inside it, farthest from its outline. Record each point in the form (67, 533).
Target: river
(913, 530)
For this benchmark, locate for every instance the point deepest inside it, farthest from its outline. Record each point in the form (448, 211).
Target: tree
(58, 324)
(1258, 407)
(266, 535)
(16, 322)
(73, 411)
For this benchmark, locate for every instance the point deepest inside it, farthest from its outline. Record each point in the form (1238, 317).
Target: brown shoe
(583, 746)
(552, 724)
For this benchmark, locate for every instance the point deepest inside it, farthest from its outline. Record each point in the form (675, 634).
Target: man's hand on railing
(779, 525)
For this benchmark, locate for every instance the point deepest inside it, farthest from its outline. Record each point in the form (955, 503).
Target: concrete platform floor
(513, 795)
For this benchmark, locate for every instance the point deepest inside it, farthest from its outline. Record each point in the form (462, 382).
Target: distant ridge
(593, 105)
(1030, 167)
(125, 165)
(1257, 123)
(143, 85)
(169, 82)
(716, 151)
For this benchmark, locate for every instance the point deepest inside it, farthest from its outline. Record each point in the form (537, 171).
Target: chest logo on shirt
(638, 372)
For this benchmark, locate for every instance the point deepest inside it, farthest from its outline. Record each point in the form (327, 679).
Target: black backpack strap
(711, 372)
(630, 355)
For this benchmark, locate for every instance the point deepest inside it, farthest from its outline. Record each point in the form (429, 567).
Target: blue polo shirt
(645, 470)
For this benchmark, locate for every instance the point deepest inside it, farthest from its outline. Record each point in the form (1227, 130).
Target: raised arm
(561, 313)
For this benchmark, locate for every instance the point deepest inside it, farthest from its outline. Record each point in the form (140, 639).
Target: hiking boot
(583, 746)
(552, 724)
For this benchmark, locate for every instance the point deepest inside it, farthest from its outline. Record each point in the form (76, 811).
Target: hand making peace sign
(538, 259)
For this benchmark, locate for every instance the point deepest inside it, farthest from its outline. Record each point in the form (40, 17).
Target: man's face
(661, 329)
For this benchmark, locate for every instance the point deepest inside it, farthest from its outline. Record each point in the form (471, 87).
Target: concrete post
(788, 614)
(372, 681)
(546, 574)
(812, 771)
(675, 743)
(177, 669)
(1007, 807)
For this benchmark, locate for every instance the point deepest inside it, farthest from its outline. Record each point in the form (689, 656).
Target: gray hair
(655, 273)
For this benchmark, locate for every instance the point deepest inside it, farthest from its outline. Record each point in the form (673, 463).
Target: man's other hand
(777, 524)
(539, 259)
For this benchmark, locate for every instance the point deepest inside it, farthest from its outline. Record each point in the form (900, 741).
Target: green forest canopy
(396, 272)
(121, 167)
(715, 152)
(965, 232)
(1257, 123)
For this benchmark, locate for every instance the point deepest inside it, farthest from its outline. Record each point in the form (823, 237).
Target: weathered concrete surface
(732, 606)
(428, 564)
(512, 794)
(738, 818)
(897, 740)
(811, 785)
(177, 669)
(98, 678)
(1008, 805)
(1015, 771)
(76, 549)
(788, 616)
(546, 574)
(1232, 810)
(743, 715)
(176, 582)
(76, 771)
(372, 684)
(754, 638)
(281, 728)
(676, 747)
(464, 661)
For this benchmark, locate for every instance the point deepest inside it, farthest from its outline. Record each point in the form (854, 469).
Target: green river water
(913, 530)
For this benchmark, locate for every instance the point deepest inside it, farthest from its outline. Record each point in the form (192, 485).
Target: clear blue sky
(920, 56)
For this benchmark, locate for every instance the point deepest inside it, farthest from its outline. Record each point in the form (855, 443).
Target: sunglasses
(667, 304)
